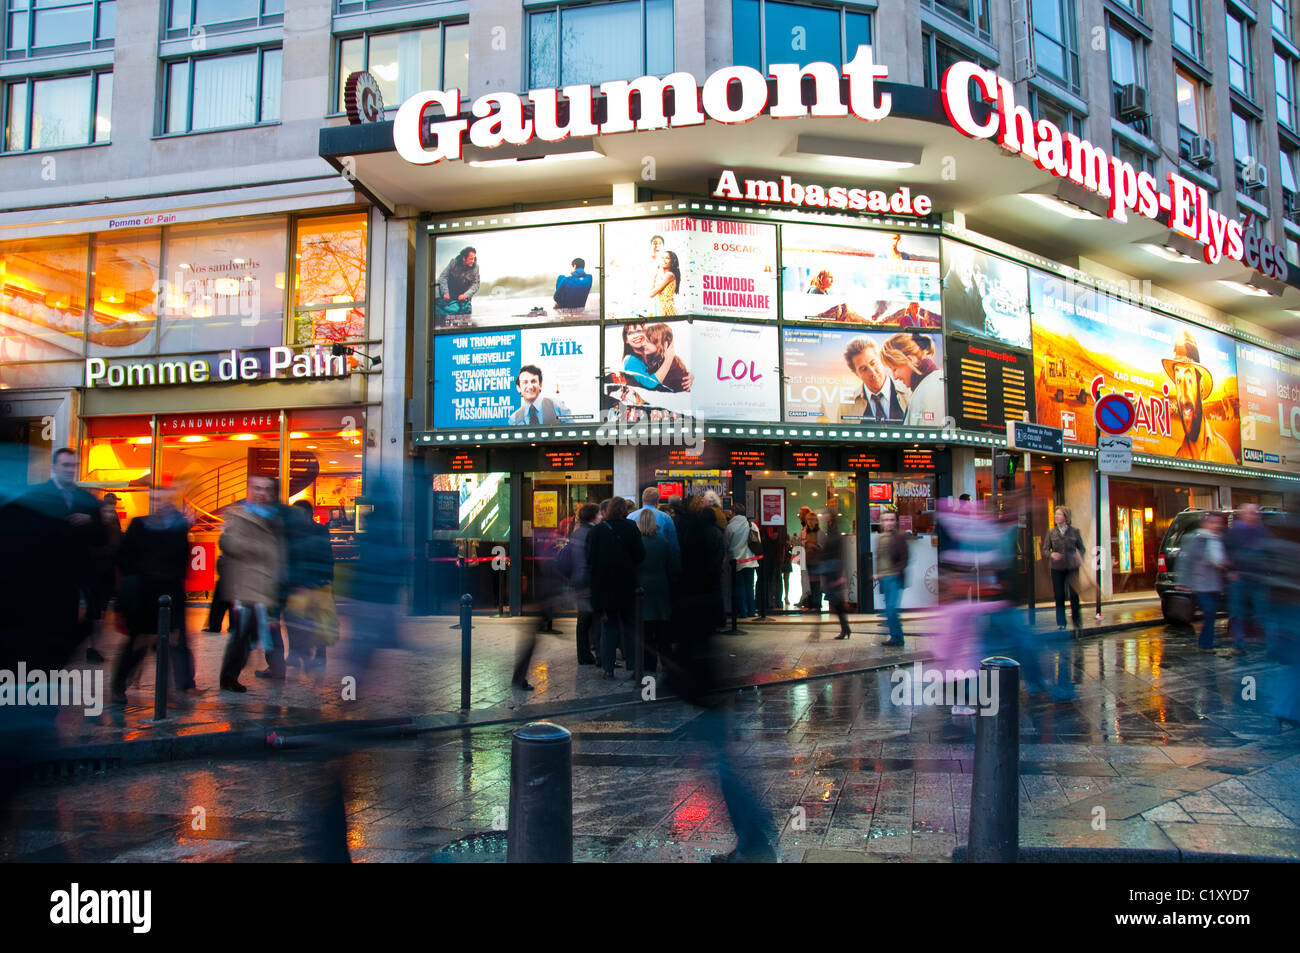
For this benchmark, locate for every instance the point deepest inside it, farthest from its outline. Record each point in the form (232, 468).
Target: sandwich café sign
(736, 94)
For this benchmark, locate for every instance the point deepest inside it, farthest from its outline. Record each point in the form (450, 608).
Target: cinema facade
(813, 288)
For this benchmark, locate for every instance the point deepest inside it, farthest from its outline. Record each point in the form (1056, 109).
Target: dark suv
(1184, 523)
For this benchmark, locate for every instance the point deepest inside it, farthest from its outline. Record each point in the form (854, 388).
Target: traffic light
(1005, 467)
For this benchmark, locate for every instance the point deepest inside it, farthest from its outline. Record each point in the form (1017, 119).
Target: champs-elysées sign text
(498, 119)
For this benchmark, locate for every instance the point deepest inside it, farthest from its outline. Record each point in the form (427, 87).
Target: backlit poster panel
(985, 296)
(860, 276)
(1182, 378)
(664, 267)
(1270, 408)
(540, 377)
(860, 376)
(706, 369)
(516, 276)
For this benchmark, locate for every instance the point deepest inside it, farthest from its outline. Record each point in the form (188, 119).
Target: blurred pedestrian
(220, 605)
(253, 543)
(657, 577)
(650, 503)
(810, 540)
(1063, 547)
(103, 574)
(153, 559)
(571, 563)
(775, 565)
(739, 535)
(1247, 544)
(891, 569)
(1201, 566)
(310, 614)
(830, 568)
(1280, 556)
(614, 551)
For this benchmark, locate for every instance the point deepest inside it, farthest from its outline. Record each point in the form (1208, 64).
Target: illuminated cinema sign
(1066, 156)
(789, 192)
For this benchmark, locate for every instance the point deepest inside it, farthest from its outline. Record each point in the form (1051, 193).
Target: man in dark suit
(536, 410)
(879, 399)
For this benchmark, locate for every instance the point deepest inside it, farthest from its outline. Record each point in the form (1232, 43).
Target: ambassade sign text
(498, 118)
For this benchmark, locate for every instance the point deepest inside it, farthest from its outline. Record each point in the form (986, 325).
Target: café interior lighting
(862, 154)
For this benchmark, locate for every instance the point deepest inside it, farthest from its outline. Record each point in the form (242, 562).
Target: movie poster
(860, 276)
(516, 276)
(985, 296)
(663, 267)
(1182, 378)
(1270, 408)
(538, 377)
(857, 377)
(703, 369)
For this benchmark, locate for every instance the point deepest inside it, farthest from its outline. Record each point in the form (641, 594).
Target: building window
(1245, 145)
(1066, 120)
(1282, 17)
(1056, 44)
(186, 17)
(1128, 68)
(57, 112)
(1284, 83)
(43, 299)
(1140, 160)
(973, 14)
(1133, 6)
(1288, 169)
(41, 27)
(221, 92)
(1191, 103)
(606, 41)
(766, 32)
(405, 63)
(329, 298)
(1241, 71)
(937, 56)
(1187, 26)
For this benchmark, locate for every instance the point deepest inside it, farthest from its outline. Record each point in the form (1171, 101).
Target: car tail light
(1160, 563)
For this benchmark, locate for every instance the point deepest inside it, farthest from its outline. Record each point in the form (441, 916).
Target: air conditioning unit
(1254, 175)
(1200, 152)
(1132, 102)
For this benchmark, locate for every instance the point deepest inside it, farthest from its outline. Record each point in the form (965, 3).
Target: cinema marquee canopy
(978, 103)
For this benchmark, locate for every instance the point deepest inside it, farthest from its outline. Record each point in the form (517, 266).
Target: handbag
(1179, 608)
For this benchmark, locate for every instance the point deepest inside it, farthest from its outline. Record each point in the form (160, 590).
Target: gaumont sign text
(736, 94)
(280, 364)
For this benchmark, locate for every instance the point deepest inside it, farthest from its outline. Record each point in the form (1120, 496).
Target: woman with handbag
(1063, 546)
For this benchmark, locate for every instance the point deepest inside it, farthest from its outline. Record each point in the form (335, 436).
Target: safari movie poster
(516, 276)
(860, 276)
(1182, 378)
(709, 370)
(663, 267)
(1270, 411)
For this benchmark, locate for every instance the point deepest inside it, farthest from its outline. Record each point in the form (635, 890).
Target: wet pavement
(1162, 754)
(420, 680)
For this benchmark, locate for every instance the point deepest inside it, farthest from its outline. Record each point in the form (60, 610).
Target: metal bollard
(995, 784)
(638, 630)
(160, 674)
(541, 795)
(466, 625)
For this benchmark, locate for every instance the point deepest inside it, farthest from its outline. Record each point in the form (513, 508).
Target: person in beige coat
(253, 546)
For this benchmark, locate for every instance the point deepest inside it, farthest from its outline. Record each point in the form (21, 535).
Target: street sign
(1114, 414)
(1034, 438)
(1114, 453)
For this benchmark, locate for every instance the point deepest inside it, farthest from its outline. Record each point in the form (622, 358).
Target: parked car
(1190, 519)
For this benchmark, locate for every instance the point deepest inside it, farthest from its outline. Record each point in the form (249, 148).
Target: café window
(766, 32)
(1056, 44)
(1186, 24)
(223, 285)
(405, 62)
(329, 303)
(599, 42)
(125, 268)
(222, 92)
(42, 299)
(972, 14)
(44, 27)
(57, 112)
(325, 469)
(117, 457)
(1241, 68)
(192, 17)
